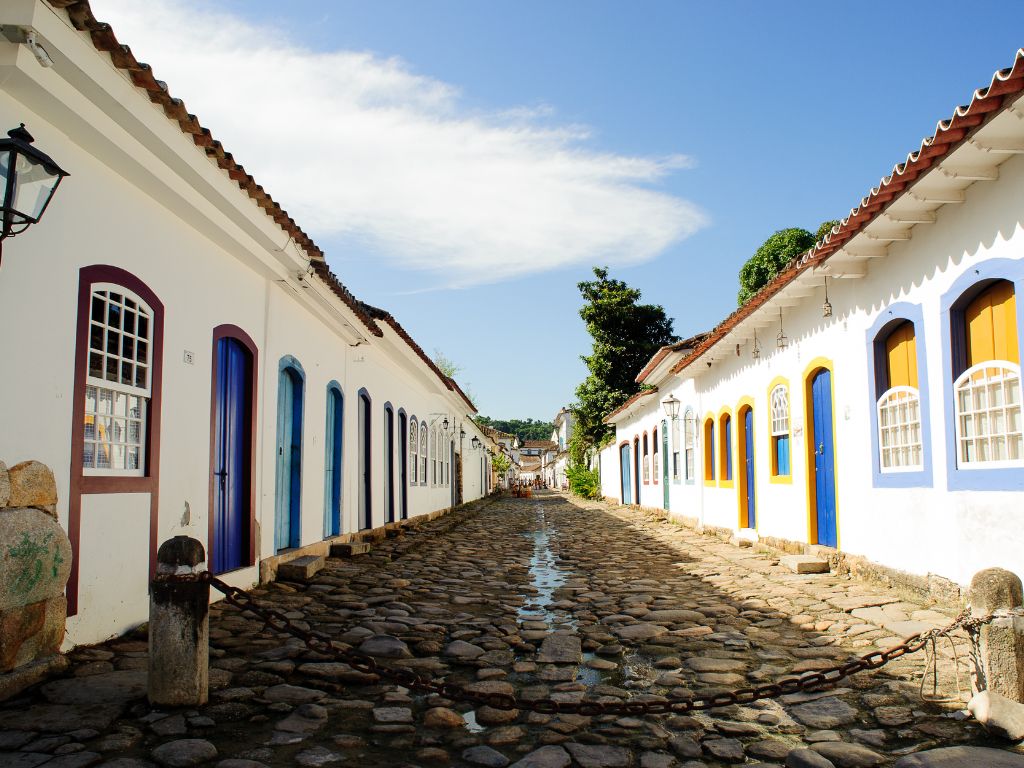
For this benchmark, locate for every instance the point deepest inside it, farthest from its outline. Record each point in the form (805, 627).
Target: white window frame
(414, 450)
(676, 453)
(1007, 375)
(896, 436)
(96, 386)
(424, 447)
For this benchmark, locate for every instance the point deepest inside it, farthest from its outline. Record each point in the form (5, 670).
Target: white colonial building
(868, 399)
(178, 351)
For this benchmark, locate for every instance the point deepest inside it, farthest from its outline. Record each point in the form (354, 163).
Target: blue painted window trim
(337, 443)
(887, 320)
(951, 307)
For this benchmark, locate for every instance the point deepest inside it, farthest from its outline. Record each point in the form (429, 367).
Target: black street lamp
(475, 442)
(29, 178)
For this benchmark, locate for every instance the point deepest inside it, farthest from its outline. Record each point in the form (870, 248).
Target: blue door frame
(365, 460)
(748, 451)
(627, 485)
(289, 455)
(389, 462)
(232, 462)
(333, 473)
(824, 459)
(403, 464)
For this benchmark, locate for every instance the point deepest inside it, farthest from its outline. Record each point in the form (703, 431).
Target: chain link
(321, 643)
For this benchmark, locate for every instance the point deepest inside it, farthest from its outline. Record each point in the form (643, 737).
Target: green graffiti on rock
(31, 557)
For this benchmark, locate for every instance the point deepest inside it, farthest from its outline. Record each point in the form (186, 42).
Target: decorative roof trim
(1006, 85)
(641, 394)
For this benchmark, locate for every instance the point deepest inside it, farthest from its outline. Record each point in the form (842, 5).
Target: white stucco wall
(930, 528)
(142, 198)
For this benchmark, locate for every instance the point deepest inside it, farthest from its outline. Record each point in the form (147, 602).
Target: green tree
(625, 335)
(528, 429)
(824, 229)
(774, 254)
(446, 364)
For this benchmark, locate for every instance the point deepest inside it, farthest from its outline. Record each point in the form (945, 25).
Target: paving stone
(184, 753)
(551, 756)
(485, 756)
(807, 758)
(386, 647)
(829, 712)
(599, 755)
(846, 755)
(111, 688)
(962, 757)
(560, 649)
(292, 694)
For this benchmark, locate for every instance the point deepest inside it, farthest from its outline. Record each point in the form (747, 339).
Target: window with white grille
(423, 454)
(988, 415)
(118, 387)
(899, 430)
(780, 431)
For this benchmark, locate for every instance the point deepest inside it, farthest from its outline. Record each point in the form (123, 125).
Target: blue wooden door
(748, 445)
(627, 485)
(232, 463)
(365, 462)
(664, 461)
(333, 462)
(289, 459)
(389, 463)
(403, 464)
(824, 458)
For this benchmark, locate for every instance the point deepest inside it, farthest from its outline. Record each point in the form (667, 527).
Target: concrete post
(999, 657)
(179, 625)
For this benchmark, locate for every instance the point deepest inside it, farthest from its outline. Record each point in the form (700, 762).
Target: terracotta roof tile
(1006, 85)
(104, 40)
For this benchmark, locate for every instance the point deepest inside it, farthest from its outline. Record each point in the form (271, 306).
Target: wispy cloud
(360, 146)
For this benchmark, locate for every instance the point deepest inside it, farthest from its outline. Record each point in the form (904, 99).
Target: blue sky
(466, 163)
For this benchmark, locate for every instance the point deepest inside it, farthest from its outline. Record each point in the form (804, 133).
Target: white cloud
(359, 146)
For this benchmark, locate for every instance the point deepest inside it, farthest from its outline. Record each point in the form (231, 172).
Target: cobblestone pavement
(544, 596)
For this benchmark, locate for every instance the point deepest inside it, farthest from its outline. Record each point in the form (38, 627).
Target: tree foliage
(523, 429)
(824, 229)
(501, 463)
(774, 254)
(625, 335)
(583, 482)
(447, 366)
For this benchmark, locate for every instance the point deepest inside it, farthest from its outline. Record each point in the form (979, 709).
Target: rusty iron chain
(321, 643)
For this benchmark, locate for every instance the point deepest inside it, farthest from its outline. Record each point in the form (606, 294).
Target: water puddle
(546, 578)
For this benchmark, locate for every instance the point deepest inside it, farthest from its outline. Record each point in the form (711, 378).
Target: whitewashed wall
(933, 529)
(179, 225)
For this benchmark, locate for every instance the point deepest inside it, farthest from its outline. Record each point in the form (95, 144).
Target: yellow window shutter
(901, 356)
(991, 325)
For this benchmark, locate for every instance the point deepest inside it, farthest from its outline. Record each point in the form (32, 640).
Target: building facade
(868, 399)
(185, 360)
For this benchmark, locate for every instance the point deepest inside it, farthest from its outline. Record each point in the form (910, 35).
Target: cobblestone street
(545, 597)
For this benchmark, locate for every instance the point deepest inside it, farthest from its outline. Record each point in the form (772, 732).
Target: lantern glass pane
(32, 188)
(5, 164)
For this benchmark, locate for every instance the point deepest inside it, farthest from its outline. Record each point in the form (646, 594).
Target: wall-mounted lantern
(781, 342)
(475, 442)
(671, 406)
(826, 308)
(28, 178)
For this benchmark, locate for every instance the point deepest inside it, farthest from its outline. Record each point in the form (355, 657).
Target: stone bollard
(999, 657)
(179, 625)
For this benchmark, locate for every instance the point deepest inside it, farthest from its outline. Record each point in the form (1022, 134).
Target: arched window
(647, 462)
(709, 450)
(676, 451)
(690, 438)
(118, 387)
(423, 453)
(987, 397)
(779, 399)
(900, 446)
(414, 451)
(655, 464)
(725, 448)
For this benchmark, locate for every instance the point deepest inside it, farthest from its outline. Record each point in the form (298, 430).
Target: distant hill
(524, 430)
